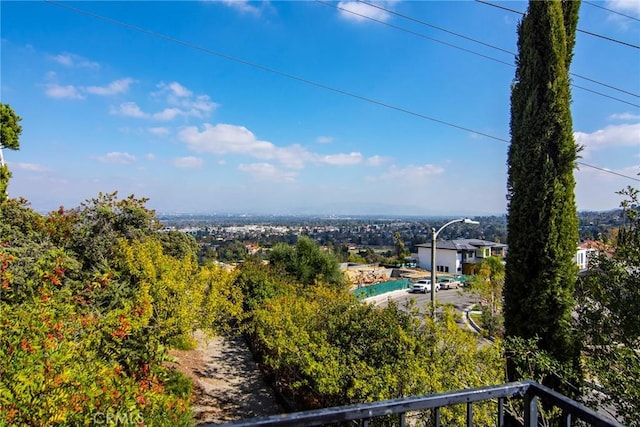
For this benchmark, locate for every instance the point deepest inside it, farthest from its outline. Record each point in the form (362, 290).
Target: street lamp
(434, 235)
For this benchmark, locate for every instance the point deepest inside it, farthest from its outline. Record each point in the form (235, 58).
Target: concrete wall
(445, 258)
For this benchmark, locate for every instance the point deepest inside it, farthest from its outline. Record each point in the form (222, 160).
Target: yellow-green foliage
(222, 300)
(53, 371)
(174, 295)
(90, 299)
(325, 348)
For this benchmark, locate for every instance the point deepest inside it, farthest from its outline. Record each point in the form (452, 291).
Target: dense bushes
(90, 299)
(321, 347)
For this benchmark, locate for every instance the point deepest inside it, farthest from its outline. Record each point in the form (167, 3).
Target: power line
(608, 171)
(265, 68)
(605, 85)
(293, 77)
(611, 10)
(410, 18)
(415, 33)
(604, 95)
(579, 30)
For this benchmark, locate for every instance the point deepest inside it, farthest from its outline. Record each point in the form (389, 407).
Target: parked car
(462, 280)
(423, 286)
(449, 283)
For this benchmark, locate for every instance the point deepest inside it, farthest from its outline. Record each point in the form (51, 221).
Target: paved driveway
(457, 297)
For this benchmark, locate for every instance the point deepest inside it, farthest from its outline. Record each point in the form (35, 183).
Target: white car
(448, 283)
(423, 286)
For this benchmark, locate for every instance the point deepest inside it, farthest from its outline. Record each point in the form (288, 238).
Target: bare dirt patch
(228, 385)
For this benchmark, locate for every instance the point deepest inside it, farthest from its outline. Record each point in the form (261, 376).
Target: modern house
(585, 249)
(459, 255)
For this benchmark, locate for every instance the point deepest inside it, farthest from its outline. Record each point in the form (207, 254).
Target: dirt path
(227, 383)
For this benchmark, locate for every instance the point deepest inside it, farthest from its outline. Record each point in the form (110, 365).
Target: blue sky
(165, 113)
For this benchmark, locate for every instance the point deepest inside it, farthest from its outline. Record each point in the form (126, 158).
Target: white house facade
(452, 254)
(585, 250)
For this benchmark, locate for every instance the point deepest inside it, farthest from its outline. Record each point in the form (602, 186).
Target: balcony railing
(529, 392)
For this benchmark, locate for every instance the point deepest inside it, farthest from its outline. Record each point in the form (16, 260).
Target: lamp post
(434, 235)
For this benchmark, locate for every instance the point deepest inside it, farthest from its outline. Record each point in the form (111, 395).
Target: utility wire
(415, 33)
(611, 10)
(608, 171)
(410, 18)
(264, 68)
(635, 46)
(293, 77)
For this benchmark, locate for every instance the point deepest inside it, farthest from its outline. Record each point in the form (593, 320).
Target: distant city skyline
(300, 108)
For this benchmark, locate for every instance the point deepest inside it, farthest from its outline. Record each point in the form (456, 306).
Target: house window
(446, 269)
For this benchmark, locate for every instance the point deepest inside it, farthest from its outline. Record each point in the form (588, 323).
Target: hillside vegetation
(90, 299)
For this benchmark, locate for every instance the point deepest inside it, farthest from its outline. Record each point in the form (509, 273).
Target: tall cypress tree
(542, 216)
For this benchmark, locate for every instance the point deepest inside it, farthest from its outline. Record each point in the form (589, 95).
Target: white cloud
(624, 6)
(77, 61)
(242, 6)
(293, 156)
(410, 173)
(223, 139)
(226, 139)
(173, 92)
(31, 167)
(614, 135)
(341, 159)
(178, 95)
(167, 114)
(179, 90)
(267, 172)
(189, 162)
(150, 156)
(181, 99)
(324, 139)
(624, 116)
(203, 104)
(117, 157)
(113, 88)
(57, 91)
(159, 131)
(129, 109)
(358, 11)
(376, 160)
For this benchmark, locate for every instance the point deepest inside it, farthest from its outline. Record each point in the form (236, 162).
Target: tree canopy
(542, 218)
(10, 131)
(609, 316)
(90, 300)
(306, 262)
(10, 128)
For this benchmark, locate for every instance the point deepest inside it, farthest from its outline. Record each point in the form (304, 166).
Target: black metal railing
(529, 392)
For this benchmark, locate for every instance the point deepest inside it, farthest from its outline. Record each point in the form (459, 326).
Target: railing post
(530, 409)
(501, 412)
(566, 419)
(469, 414)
